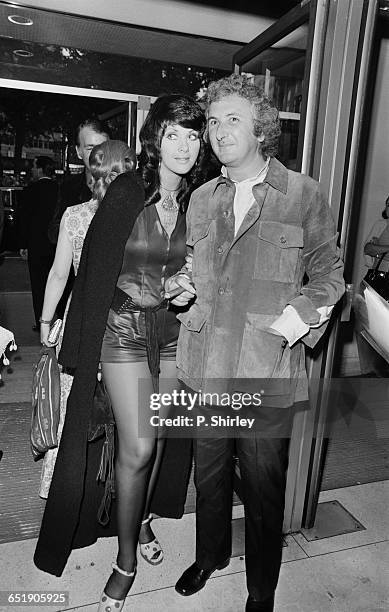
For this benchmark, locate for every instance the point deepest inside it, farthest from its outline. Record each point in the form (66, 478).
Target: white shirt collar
(253, 179)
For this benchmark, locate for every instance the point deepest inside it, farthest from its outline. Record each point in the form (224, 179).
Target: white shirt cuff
(292, 327)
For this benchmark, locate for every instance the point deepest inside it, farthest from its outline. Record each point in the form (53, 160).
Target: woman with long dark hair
(133, 344)
(119, 317)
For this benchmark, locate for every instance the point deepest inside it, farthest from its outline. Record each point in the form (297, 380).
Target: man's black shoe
(195, 578)
(266, 605)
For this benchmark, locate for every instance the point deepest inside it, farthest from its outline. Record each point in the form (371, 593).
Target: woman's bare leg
(132, 466)
(167, 383)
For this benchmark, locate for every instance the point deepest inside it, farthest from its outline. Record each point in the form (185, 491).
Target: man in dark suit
(39, 200)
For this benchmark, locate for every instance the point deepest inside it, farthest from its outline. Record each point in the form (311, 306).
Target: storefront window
(77, 67)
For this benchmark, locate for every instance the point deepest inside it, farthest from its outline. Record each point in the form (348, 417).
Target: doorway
(40, 120)
(360, 454)
(41, 123)
(320, 52)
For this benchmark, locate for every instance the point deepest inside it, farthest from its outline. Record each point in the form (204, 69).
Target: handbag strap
(379, 261)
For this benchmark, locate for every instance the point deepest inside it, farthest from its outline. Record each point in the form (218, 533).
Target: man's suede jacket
(283, 253)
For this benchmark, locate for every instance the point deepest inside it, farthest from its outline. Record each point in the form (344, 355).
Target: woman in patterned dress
(74, 226)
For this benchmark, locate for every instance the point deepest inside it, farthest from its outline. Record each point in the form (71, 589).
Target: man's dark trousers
(263, 460)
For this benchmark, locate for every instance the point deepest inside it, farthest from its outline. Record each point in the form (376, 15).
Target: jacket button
(220, 249)
(221, 291)
(284, 343)
(283, 239)
(189, 324)
(226, 213)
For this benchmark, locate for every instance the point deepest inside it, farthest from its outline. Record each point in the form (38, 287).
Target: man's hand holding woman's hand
(179, 289)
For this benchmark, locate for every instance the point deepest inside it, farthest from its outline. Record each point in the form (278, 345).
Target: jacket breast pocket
(200, 239)
(278, 249)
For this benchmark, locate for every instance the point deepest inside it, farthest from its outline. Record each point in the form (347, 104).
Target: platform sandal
(109, 604)
(151, 551)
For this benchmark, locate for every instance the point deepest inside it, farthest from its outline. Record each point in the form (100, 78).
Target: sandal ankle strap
(148, 519)
(124, 572)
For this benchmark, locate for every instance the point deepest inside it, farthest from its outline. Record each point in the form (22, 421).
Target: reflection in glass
(279, 71)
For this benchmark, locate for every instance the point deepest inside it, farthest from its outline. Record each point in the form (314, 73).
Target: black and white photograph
(194, 306)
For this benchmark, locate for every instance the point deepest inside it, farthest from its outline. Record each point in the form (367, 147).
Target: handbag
(46, 393)
(378, 280)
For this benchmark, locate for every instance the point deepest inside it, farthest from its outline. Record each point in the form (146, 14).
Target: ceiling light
(20, 20)
(23, 53)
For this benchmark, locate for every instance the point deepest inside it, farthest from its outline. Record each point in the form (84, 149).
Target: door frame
(136, 103)
(304, 13)
(334, 162)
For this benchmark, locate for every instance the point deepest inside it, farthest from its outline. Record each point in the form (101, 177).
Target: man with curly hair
(265, 276)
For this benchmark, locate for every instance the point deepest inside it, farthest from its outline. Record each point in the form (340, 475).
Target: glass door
(279, 71)
(313, 64)
(278, 61)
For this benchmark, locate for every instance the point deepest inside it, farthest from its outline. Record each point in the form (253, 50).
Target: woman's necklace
(169, 202)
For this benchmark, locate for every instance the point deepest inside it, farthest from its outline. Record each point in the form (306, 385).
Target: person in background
(110, 158)
(376, 246)
(254, 233)
(38, 204)
(77, 188)
(377, 241)
(1, 219)
(1, 205)
(118, 316)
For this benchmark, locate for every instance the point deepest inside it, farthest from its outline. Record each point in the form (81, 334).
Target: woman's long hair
(173, 109)
(107, 160)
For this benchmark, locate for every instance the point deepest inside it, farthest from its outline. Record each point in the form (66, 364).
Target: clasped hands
(179, 289)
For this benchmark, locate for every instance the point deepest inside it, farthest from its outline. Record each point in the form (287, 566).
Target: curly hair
(265, 115)
(107, 160)
(172, 109)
